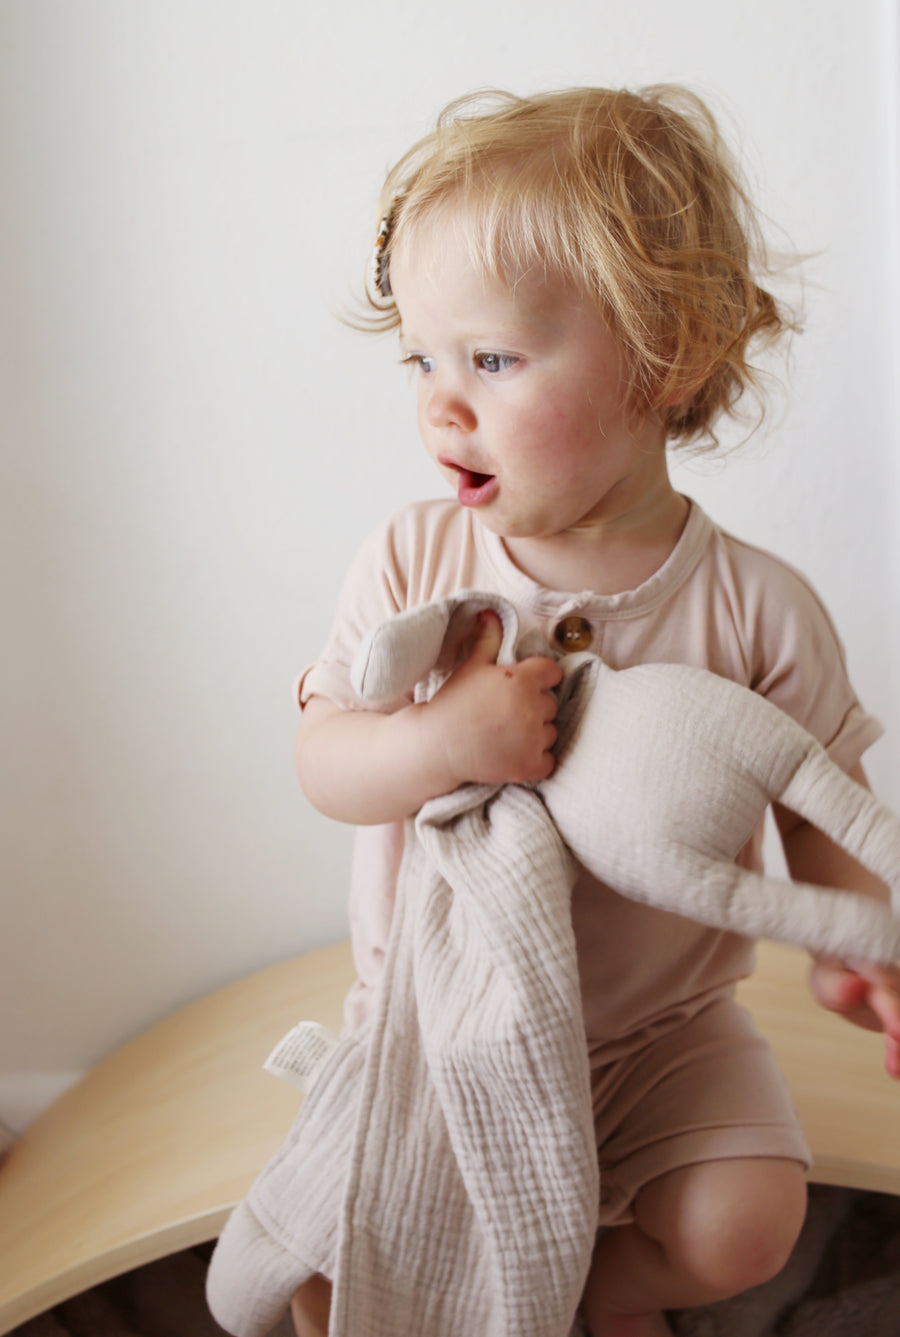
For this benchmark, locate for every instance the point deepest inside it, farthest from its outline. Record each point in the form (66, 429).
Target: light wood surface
(149, 1153)
(151, 1150)
(849, 1107)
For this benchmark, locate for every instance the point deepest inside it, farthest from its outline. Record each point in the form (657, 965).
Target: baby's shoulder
(429, 534)
(760, 578)
(776, 612)
(425, 549)
(420, 523)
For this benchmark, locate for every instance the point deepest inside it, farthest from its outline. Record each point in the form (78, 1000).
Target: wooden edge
(840, 1173)
(151, 1150)
(113, 1263)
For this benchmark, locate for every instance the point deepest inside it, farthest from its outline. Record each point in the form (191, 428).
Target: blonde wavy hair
(632, 198)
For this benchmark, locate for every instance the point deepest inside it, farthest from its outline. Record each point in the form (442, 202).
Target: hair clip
(380, 278)
(381, 282)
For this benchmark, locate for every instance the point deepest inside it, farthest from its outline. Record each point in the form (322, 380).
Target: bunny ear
(400, 653)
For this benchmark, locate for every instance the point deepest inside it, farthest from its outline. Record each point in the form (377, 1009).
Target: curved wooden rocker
(148, 1154)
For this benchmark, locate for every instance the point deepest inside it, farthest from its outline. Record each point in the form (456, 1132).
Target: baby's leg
(311, 1306)
(700, 1233)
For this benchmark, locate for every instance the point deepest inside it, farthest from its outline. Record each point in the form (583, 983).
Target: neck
(607, 556)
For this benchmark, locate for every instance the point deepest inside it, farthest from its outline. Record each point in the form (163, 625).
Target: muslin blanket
(443, 1169)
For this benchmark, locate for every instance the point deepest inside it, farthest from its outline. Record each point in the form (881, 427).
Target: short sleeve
(373, 590)
(802, 667)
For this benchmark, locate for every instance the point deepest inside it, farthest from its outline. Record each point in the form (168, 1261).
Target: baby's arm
(487, 724)
(865, 994)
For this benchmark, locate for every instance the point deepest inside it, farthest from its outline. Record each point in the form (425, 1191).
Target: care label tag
(300, 1056)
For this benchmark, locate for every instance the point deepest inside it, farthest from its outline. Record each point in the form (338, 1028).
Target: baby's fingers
(882, 993)
(865, 994)
(486, 638)
(892, 1056)
(544, 672)
(835, 986)
(546, 762)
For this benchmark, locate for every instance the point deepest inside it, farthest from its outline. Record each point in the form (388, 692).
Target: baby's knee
(751, 1249)
(737, 1223)
(753, 1227)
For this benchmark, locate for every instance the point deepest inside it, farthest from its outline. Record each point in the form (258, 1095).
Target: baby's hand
(866, 995)
(495, 724)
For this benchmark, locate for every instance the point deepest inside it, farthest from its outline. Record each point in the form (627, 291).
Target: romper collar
(528, 595)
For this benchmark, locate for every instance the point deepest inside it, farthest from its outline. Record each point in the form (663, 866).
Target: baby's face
(520, 393)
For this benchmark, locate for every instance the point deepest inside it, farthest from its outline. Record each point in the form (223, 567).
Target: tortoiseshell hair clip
(380, 277)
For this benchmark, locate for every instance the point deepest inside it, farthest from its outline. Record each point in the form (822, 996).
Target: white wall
(192, 444)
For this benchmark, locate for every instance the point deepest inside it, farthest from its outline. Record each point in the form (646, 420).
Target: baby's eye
(494, 362)
(419, 362)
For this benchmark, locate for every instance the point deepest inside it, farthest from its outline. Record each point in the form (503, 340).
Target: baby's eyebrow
(408, 344)
(408, 348)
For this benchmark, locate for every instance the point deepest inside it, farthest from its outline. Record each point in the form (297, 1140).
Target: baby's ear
(401, 652)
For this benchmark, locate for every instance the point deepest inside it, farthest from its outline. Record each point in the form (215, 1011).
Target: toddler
(574, 278)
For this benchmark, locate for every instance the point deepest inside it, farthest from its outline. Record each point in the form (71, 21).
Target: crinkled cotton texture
(448, 1182)
(691, 761)
(467, 1185)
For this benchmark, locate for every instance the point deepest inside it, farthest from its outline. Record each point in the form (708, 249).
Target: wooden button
(573, 634)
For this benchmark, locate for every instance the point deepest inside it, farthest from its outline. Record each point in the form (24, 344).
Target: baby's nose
(448, 406)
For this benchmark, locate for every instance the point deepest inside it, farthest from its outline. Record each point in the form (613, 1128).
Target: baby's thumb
(488, 638)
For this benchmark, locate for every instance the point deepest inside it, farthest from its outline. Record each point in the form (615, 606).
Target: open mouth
(474, 489)
(473, 480)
